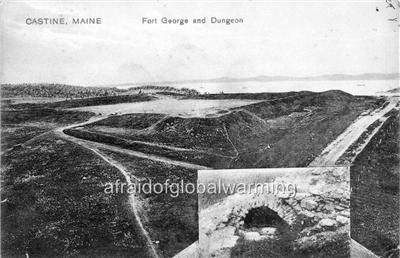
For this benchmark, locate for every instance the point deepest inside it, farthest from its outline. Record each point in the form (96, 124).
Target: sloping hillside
(375, 200)
(289, 131)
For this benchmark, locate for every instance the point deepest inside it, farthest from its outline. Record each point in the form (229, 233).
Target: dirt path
(98, 146)
(95, 147)
(169, 147)
(143, 155)
(132, 198)
(153, 157)
(132, 201)
(159, 145)
(229, 139)
(331, 154)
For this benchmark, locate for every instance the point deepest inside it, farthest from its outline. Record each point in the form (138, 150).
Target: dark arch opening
(263, 217)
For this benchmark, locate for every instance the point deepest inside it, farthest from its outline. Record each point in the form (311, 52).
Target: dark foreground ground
(55, 205)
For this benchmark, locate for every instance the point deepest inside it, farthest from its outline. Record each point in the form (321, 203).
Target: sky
(292, 38)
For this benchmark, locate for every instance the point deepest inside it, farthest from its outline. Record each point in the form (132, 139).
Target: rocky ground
(315, 218)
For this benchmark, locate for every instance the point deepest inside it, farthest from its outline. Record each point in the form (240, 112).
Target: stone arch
(263, 217)
(279, 205)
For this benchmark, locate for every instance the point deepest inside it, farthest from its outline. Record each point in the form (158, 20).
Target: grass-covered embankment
(375, 199)
(286, 132)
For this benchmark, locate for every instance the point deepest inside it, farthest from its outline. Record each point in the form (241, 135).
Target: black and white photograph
(117, 116)
(274, 212)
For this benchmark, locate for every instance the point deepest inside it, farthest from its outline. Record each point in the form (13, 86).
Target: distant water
(355, 87)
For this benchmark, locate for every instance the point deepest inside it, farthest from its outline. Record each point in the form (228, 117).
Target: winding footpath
(96, 148)
(132, 198)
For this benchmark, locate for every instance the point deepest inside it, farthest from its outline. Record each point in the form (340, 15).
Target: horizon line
(228, 79)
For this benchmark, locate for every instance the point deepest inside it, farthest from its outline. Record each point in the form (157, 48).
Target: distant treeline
(72, 92)
(55, 91)
(183, 91)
